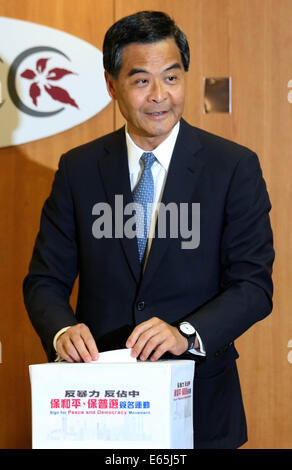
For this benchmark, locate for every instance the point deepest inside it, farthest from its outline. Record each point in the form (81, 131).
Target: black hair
(142, 27)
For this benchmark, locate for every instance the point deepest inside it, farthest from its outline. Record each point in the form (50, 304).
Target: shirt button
(140, 305)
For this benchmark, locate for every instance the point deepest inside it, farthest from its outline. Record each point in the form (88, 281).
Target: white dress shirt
(159, 169)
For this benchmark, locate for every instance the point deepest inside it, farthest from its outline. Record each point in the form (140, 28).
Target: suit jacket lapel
(115, 175)
(183, 173)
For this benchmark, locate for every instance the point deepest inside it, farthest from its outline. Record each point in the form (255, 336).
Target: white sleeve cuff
(58, 358)
(58, 334)
(200, 352)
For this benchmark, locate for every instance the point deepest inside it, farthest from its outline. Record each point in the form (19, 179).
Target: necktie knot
(148, 158)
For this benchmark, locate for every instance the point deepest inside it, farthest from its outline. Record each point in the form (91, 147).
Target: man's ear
(110, 85)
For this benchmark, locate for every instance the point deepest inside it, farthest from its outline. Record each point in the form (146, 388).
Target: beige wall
(249, 40)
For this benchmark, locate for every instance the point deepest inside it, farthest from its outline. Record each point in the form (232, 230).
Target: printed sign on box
(140, 405)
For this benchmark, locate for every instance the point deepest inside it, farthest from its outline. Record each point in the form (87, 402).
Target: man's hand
(77, 344)
(158, 336)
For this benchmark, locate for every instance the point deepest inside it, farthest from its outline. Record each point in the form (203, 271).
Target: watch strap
(191, 341)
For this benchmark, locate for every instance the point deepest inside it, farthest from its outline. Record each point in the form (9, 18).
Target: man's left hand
(157, 337)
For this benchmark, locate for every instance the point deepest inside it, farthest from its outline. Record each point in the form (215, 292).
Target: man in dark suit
(176, 296)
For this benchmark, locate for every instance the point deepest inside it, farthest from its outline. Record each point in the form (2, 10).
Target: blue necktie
(143, 194)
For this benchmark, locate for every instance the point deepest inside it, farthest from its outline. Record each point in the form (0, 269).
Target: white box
(141, 405)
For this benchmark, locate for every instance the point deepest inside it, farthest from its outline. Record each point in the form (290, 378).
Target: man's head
(145, 59)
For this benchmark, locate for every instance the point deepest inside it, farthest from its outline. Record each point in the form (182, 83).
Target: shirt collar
(162, 153)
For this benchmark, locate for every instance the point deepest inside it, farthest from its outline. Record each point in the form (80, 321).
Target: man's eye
(172, 78)
(141, 81)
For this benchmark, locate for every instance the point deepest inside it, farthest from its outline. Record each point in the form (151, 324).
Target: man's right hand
(77, 344)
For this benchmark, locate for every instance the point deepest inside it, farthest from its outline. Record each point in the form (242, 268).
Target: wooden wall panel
(249, 40)
(26, 176)
(268, 123)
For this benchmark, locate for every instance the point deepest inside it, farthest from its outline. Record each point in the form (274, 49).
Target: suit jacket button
(140, 305)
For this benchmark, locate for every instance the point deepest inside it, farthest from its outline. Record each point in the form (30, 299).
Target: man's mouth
(157, 113)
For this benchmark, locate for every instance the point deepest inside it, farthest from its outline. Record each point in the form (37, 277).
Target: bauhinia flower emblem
(41, 79)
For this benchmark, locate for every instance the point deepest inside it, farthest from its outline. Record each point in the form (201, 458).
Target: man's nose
(158, 92)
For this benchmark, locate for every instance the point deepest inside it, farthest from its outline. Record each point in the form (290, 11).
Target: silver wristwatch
(187, 330)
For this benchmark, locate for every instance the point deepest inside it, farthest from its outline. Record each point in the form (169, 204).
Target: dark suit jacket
(222, 287)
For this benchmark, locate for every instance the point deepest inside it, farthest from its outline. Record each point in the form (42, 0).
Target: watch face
(187, 328)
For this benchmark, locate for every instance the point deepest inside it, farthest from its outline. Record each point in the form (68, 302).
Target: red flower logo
(40, 78)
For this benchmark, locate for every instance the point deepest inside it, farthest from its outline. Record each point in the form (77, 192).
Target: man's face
(150, 90)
